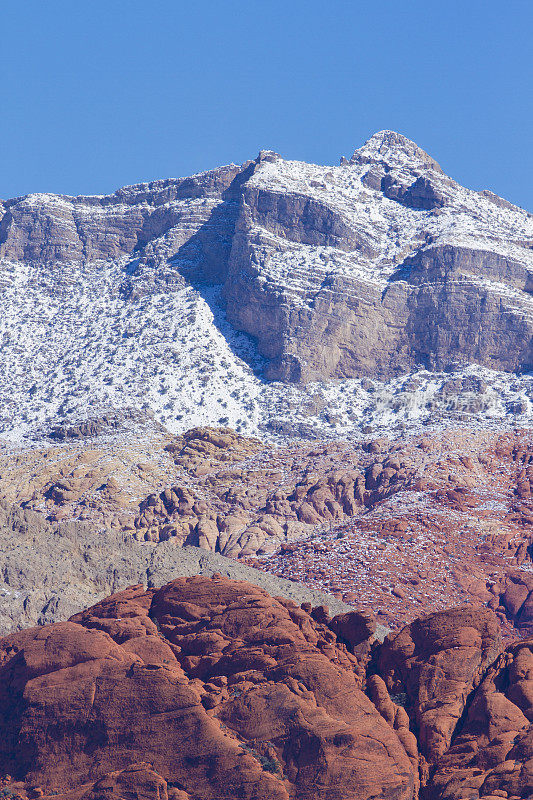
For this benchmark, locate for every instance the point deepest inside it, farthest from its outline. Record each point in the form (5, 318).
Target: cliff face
(53, 228)
(374, 267)
(378, 266)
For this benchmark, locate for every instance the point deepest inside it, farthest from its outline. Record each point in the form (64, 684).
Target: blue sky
(101, 94)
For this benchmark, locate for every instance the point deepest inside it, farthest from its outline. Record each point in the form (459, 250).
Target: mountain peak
(394, 149)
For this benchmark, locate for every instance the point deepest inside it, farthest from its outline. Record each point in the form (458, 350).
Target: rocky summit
(373, 269)
(299, 399)
(379, 266)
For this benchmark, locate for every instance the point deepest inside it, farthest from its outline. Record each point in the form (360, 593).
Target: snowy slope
(75, 343)
(73, 347)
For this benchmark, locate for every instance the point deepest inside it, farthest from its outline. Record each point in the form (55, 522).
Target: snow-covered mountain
(380, 291)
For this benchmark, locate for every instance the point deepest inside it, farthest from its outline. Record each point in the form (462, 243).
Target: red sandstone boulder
(138, 782)
(354, 627)
(492, 753)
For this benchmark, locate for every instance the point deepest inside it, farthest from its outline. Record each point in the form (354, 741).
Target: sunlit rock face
(208, 686)
(378, 266)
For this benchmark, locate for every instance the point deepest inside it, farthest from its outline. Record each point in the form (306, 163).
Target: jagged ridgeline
(376, 267)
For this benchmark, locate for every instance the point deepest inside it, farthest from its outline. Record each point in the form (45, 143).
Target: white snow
(73, 346)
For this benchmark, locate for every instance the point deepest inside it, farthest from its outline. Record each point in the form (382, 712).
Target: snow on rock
(147, 298)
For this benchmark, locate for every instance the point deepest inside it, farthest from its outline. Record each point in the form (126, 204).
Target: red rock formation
(207, 688)
(434, 663)
(403, 527)
(492, 754)
(210, 689)
(458, 530)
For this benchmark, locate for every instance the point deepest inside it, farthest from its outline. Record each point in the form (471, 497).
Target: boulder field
(209, 688)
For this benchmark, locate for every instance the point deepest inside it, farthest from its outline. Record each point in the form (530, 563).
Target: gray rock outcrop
(379, 266)
(50, 571)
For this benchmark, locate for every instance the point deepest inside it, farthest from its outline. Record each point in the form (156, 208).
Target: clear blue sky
(95, 95)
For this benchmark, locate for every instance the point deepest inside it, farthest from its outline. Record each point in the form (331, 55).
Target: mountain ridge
(384, 138)
(367, 270)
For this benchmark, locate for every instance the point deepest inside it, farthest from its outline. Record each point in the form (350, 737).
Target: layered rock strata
(374, 267)
(377, 266)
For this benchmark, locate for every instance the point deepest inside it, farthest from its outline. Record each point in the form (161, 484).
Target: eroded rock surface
(211, 688)
(355, 270)
(52, 570)
(400, 526)
(204, 689)
(458, 529)
(435, 662)
(491, 755)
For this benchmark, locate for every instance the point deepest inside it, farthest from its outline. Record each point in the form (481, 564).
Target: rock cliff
(378, 266)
